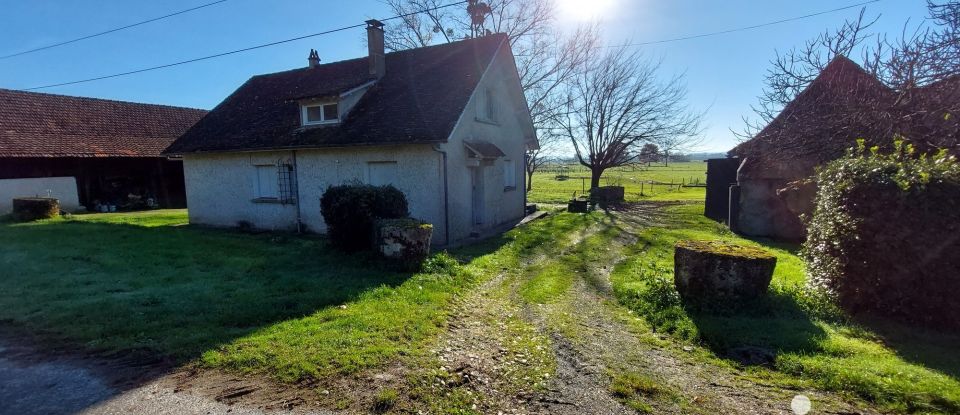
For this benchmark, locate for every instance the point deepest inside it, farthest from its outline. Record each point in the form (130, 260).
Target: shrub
(350, 212)
(885, 235)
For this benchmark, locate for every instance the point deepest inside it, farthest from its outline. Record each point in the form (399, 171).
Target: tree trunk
(666, 159)
(529, 180)
(595, 174)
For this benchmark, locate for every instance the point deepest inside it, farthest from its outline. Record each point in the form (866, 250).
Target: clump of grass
(635, 391)
(385, 400)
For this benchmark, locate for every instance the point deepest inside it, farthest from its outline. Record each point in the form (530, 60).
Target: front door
(476, 191)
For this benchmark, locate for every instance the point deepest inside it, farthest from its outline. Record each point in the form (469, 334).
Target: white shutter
(382, 173)
(266, 181)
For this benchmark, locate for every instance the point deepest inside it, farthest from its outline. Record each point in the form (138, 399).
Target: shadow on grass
(753, 333)
(930, 348)
(178, 290)
(171, 293)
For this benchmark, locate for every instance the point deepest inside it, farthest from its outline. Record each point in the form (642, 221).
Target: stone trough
(716, 273)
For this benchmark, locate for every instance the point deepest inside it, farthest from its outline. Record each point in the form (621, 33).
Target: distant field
(636, 181)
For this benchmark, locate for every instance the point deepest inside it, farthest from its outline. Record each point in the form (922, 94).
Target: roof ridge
(396, 52)
(31, 93)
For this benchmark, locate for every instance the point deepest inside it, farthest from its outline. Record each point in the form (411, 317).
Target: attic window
(321, 113)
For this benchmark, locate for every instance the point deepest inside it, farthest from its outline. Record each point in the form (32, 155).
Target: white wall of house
(62, 188)
(509, 130)
(222, 188)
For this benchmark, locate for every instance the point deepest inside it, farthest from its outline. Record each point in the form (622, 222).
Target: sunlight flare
(585, 9)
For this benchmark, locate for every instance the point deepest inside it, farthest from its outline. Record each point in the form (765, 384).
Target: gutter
(296, 175)
(446, 198)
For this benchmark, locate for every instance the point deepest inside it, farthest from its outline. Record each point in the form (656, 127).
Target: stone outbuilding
(844, 103)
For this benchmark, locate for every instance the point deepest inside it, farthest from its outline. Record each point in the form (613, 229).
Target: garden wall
(63, 188)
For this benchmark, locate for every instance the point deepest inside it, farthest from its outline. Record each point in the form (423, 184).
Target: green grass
(547, 189)
(813, 341)
(635, 390)
(282, 305)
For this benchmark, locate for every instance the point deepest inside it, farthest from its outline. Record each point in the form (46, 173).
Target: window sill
(319, 124)
(273, 200)
(509, 188)
(486, 121)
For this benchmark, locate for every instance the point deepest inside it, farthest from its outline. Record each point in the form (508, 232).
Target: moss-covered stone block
(717, 273)
(404, 241)
(27, 209)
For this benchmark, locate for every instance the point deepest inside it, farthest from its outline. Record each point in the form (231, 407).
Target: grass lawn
(292, 308)
(547, 189)
(281, 305)
(902, 369)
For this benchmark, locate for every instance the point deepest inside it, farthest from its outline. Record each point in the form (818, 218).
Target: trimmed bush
(350, 212)
(885, 235)
(27, 209)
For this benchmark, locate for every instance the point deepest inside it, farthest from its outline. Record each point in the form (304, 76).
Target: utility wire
(740, 29)
(203, 58)
(67, 42)
(340, 29)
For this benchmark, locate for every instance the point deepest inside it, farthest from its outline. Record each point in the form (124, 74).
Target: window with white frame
(325, 113)
(509, 175)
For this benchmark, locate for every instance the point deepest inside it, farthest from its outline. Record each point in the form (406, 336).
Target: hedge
(350, 212)
(884, 238)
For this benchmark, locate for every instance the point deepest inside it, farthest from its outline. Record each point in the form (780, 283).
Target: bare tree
(616, 103)
(928, 52)
(545, 57)
(794, 70)
(550, 144)
(671, 145)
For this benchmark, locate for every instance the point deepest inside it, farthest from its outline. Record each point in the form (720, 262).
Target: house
(844, 103)
(448, 125)
(86, 151)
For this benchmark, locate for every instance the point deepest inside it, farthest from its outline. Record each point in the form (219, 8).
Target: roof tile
(419, 100)
(46, 125)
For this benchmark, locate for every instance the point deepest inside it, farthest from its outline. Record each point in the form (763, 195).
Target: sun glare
(584, 9)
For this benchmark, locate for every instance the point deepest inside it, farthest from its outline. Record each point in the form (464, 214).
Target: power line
(247, 49)
(740, 29)
(67, 42)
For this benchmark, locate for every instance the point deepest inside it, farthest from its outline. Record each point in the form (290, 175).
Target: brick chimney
(314, 59)
(378, 66)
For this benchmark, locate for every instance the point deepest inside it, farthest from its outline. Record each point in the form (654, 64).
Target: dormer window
(320, 113)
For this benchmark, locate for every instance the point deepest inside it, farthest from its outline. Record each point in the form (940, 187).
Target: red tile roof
(419, 100)
(46, 125)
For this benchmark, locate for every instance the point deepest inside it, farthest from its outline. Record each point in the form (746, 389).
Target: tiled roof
(419, 100)
(46, 125)
(845, 103)
(839, 106)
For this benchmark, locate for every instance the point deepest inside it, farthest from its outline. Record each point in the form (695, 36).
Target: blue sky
(724, 73)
